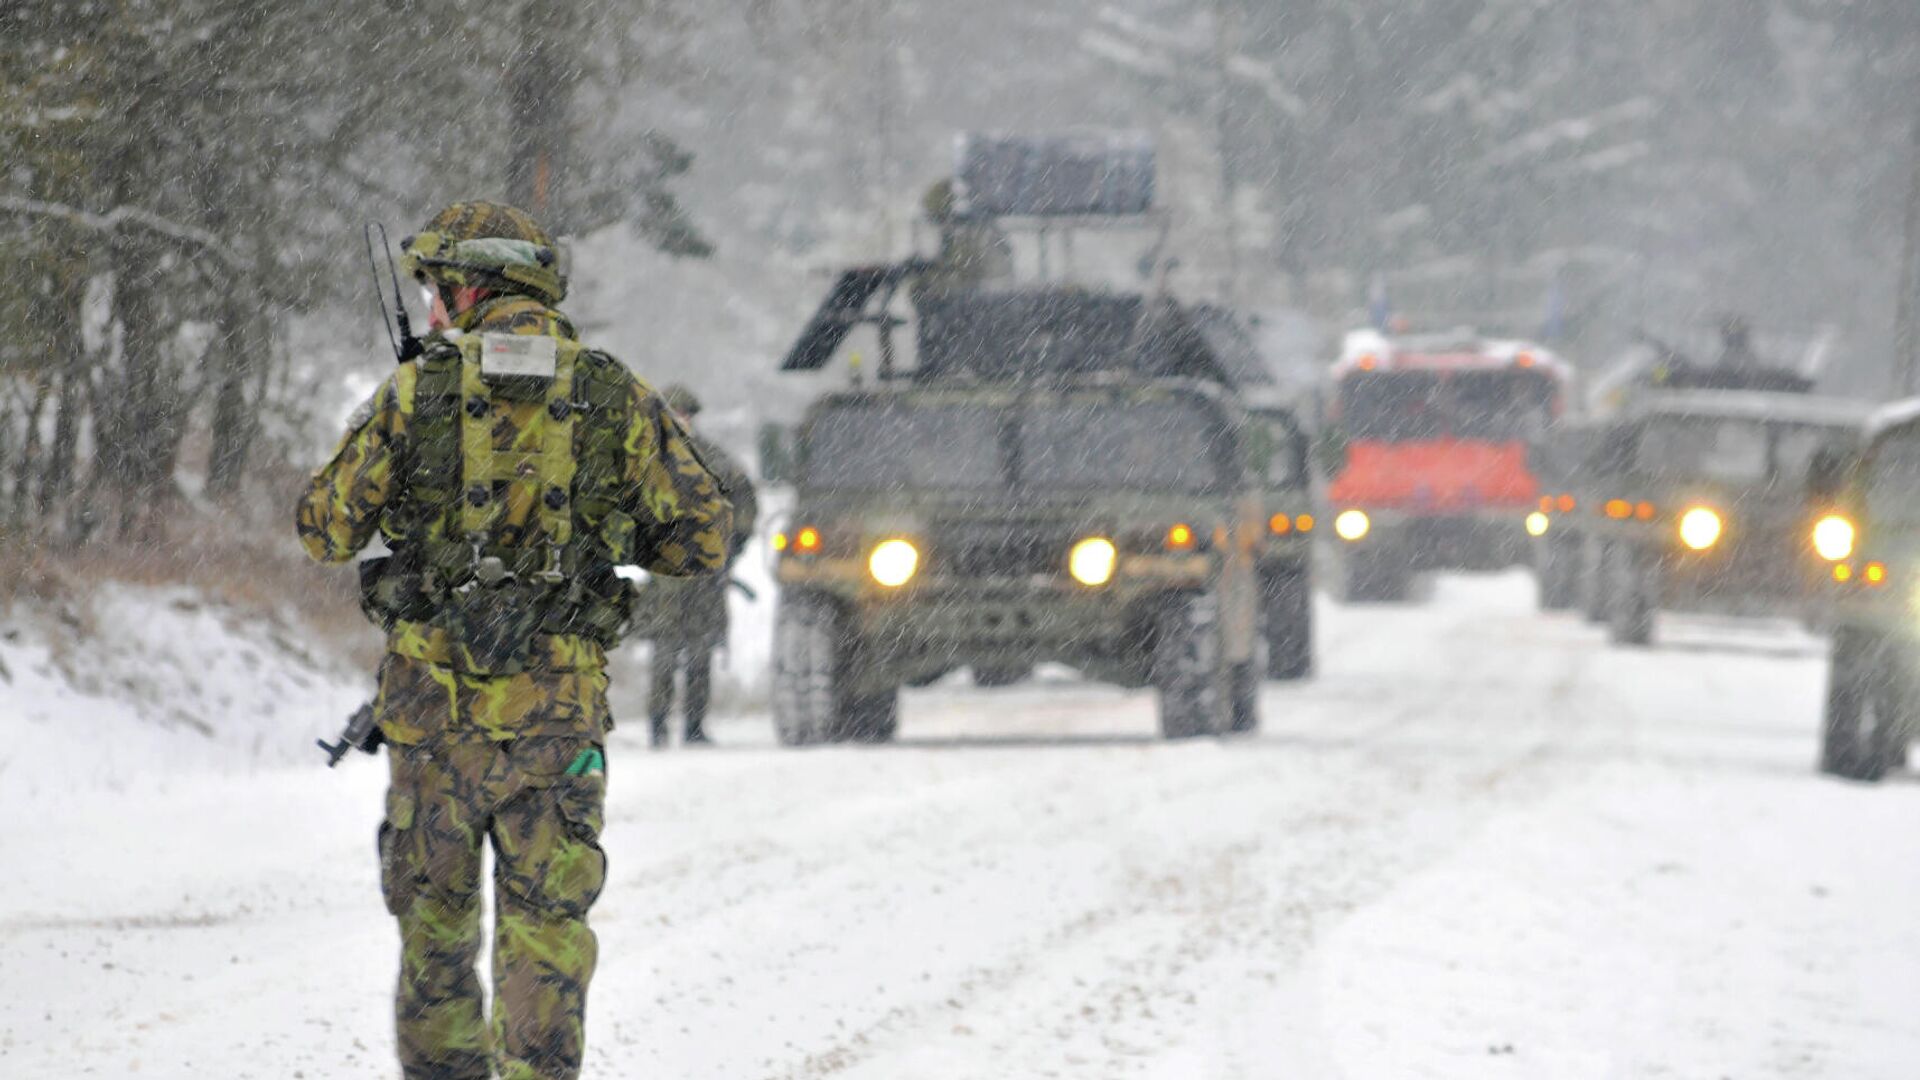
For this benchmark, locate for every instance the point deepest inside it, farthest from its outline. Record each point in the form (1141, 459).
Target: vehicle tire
(1246, 699)
(810, 662)
(993, 676)
(873, 718)
(1377, 576)
(1593, 580)
(1556, 565)
(1190, 669)
(1286, 616)
(1864, 734)
(1631, 584)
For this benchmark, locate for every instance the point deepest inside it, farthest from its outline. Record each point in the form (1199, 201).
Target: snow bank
(144, 681)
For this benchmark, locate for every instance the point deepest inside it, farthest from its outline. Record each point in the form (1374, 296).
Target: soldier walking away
(690, 615)
(509, 469)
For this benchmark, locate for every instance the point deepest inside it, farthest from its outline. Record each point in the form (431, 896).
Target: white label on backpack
(518, 356)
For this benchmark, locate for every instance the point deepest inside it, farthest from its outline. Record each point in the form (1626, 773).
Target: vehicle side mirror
(1827, 473)
(776, 454)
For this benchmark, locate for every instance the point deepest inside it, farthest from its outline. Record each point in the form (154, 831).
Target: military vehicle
(1695, 500)
(1062, 475)
(1869, 544)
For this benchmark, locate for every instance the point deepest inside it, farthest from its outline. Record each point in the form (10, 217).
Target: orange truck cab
(1435, 438)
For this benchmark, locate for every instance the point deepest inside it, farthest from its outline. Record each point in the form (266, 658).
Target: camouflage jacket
(682, 519)
(693, 610)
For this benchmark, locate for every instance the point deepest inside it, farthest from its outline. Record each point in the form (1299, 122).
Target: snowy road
(1481, 844)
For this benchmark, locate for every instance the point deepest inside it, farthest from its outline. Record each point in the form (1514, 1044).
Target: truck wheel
(1377, 577)
(1556, 567)
(1190, 669)
(997, 675)
(1863, 735)
(1593, 580)
(873, 718)
(1630, 589)
(1246, 699)
(1286, 612)
(809, 669)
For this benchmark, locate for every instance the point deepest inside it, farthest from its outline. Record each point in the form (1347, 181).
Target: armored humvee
(1087, 477)
(1869, 543)
(1696, 501)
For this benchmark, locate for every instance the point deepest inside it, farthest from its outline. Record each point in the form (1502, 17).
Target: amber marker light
(1091, 562)
(1833, 538)
(1180, 538)
(1280, 524)
(807, 541)
(1876, 573)
(1305, 523)
(1619, 509)
(1567, 504)
(1644, 511)
(1842, 573)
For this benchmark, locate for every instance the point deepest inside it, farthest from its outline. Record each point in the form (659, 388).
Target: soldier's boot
(548, 871)
(699, 692)
(430, 874)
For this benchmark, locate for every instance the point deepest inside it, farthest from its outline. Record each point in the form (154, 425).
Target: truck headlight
(1538, 524)
(1700, 528)
(1833, 538)
(1352, 525)
(1092, 560)
(893, 563)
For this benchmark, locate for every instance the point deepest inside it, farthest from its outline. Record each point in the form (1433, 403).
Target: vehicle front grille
(1012, 550)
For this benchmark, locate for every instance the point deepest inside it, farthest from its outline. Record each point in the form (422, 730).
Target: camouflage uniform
(688, 616)
(973, 253)
(492, 695)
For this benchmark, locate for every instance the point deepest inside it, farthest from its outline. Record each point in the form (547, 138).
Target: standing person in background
(509, 469)
(690, 614)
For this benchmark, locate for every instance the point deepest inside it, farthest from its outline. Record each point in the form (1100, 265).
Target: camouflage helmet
(487, 245)
(682, 400)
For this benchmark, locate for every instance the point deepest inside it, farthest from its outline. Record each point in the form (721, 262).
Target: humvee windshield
(1730, 450)
(1407, 406)
(894, 446)
(1893, 481)
(1165, 446)
(1061, 446)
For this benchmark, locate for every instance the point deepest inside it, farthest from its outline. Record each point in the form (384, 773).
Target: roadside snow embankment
(136, 680)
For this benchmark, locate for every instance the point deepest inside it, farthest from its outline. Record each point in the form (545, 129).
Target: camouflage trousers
(539, 802)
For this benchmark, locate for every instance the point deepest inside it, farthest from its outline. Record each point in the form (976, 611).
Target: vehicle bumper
(1476, 540)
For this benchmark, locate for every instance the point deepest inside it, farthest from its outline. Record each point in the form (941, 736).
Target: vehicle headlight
(893, 563)
(1833, 538)
(1538, 524)
(1352, 525)
(1700, 528)
(1092, 560)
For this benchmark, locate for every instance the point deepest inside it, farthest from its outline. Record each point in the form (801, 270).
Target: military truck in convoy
(1696, 500)
(1869, 543)
(1087, 477)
